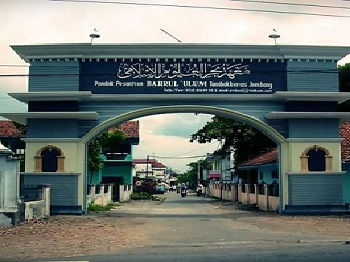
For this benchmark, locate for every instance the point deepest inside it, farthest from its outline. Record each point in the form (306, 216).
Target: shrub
(95, 207)
(141, 196)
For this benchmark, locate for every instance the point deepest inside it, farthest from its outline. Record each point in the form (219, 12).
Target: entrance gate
(290, 93)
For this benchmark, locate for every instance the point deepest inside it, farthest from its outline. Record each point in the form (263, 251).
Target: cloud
(180, 125)
(167, 149)
(167, 135)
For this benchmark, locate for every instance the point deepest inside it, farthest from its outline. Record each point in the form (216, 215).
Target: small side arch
(304, 158)
(56, 155)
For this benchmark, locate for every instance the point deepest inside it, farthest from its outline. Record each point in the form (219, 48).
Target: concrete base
(9, 218)
(317, 210)
(66, 210)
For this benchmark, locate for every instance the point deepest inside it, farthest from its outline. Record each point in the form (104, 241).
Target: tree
(111, 141)
(20, 127)
(106, 142)
(191, 175)
(95, 160)
(344, 84)
(247, 141)
(344, 78)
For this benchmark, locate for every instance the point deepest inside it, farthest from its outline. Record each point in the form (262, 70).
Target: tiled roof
(266, 158)
(158, 165)
(345, 144)
(130, 129)
(272, 156)
(154, 162)
(8, 129)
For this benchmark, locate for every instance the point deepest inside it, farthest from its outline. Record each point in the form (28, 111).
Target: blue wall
(267, 172)
(314, 128)
(312, 76)
(54, 76)
(346, 182)
(118, 169)
(52, 128)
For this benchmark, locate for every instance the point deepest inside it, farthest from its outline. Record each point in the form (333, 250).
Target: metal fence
(273, 190)
(31, 192)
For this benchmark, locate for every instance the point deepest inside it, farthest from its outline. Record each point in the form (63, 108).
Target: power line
(291, 4)
(196, 149)
(205, 7)
(184, 157)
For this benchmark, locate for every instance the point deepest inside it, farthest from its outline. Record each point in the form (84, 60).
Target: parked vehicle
(159, 190)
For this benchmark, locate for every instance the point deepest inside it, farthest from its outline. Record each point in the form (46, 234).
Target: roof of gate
(191, 50)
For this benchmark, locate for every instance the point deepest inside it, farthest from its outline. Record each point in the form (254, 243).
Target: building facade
(75, 91)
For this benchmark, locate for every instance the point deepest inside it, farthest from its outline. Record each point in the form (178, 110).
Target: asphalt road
(195, 229)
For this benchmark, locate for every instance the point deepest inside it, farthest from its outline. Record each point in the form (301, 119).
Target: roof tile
(130, 129)
(8, 129)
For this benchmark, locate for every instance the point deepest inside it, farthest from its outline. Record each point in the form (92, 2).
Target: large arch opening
(248, 189)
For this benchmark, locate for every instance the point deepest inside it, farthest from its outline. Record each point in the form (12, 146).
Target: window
(261, 176)
(49, 159)
(274, 174)
(316, 159)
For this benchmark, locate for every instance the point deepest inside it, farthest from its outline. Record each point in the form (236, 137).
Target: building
(263, 169)
(76, 91)
(144, 168)
(118, 164)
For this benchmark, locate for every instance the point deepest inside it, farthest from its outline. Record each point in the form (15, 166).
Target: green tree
(344, 84)
(95, 160)
(247, 141)
(106, 142)
(20, 127)
(344, 78)
(111, 141)
(191, 175)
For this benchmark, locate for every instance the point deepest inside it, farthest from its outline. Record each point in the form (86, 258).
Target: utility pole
(199, 173)
(147, 160)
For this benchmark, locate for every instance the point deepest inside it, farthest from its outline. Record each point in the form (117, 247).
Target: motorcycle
(183, 192)
(199, 190)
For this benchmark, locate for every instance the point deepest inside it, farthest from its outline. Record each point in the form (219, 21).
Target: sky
(43, 21)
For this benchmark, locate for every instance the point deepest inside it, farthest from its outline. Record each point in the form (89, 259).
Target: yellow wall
(295, 150)
(71, 151)
(74, 161)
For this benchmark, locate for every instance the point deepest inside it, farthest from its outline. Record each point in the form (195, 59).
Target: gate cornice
(89, 96)
(110, 51)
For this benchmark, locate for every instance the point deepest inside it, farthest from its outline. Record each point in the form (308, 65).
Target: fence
(125, 193)
(35, 202)
(100, 194)
(264, 196)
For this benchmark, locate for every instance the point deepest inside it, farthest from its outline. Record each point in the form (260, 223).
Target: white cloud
(181, 125)
(168, 135)
(166, 147)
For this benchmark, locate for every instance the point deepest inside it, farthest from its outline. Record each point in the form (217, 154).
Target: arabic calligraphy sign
(192, 76)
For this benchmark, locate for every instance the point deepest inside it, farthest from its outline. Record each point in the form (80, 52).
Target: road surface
(202, 229)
